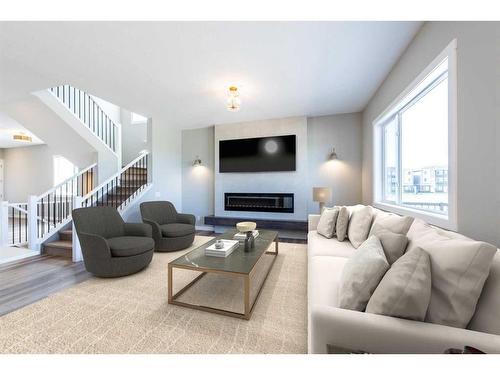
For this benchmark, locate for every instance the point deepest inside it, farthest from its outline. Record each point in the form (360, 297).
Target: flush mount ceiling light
(21, 137)
(233, 99)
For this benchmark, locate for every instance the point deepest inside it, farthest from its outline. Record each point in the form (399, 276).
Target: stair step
(66, 235)
(59, 248)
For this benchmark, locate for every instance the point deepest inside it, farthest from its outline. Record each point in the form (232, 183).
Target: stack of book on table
(229, 247)
(242, 235)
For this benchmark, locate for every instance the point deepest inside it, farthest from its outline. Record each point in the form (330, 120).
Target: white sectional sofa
(330, 326)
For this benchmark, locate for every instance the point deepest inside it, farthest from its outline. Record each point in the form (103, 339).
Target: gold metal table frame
(248, 305)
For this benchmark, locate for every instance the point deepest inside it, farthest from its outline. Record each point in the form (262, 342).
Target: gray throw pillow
(405, 290)
(327, 222)
(394, 244)
(359, 225)
(361, 275)
(342, 223)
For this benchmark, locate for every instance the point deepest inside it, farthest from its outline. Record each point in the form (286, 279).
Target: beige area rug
(131, 314)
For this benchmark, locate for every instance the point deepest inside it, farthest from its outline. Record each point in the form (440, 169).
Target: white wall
(198, 181)
(134, 137)
(343, 176)
(478, 54)
(30, 170)
(264, 182)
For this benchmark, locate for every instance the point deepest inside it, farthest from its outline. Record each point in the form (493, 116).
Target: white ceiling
(9, 127)
(179, 71)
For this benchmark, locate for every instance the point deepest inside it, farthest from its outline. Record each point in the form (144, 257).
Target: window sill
(442, 221)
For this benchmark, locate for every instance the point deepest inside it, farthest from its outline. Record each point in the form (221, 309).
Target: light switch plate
(157, 194)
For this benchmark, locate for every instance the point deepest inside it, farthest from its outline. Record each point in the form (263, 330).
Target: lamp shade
(322, 194)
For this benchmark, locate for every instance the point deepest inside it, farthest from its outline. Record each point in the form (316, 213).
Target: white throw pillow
(361, 275)
(405, 290)
(459, 268)
(359, 225)
(392, 222)
(327, 222)
(342, 223)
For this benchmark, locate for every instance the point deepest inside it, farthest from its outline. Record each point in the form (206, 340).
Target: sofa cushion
(393, 222)
(128, 245)
(324, 275)
(361, 275)
(177, 230)
(319, 245)
(394, 244)
(327, 222)
(485, 318)
(359, 225)
(405, 290)
(342, 223)
(459, 268)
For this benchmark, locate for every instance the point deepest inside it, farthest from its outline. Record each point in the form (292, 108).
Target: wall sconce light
(197, 161)
(333, 155)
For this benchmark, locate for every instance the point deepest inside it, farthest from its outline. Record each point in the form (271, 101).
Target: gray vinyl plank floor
(29, 280)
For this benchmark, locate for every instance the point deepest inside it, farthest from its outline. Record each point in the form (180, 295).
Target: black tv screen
(266, 154)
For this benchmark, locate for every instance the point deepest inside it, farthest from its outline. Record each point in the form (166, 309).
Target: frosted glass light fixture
(233, 99)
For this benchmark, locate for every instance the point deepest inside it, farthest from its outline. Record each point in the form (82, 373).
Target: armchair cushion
(129, 245)
(177, 230)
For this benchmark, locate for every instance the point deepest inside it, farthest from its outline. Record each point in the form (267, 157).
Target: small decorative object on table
(221, 248)
(247, 229)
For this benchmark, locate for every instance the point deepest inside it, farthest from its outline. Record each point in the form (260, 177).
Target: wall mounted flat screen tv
(266, 154)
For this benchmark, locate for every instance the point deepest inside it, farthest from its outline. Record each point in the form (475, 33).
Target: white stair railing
(89, 112)
(13, 224)
(120, 189)
(51, 210)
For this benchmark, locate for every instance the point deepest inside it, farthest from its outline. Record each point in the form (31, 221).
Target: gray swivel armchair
(111, 247)
(171, 231)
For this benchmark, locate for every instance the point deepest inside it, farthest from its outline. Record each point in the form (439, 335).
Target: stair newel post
(77, 249)
(33, 242)
(4, 223)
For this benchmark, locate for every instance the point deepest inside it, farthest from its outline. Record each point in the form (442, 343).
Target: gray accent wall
(343, 176)
(198, 181)
(478, 63)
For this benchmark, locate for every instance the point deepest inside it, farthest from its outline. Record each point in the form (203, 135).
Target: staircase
(62, 247)
(118, 191)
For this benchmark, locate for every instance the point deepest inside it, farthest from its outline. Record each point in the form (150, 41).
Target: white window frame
(445, 221)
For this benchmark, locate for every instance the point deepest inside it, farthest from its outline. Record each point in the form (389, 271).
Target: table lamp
(322, 195)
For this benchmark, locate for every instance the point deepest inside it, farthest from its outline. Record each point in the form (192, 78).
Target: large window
(413, 148)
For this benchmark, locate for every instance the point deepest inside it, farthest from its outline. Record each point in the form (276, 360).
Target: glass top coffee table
(239, 264)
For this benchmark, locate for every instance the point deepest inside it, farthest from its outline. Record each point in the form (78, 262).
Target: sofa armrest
(186, 219)
(384, 334)
(312, 222)
(155, 228)
(94, 247)
(138, 229)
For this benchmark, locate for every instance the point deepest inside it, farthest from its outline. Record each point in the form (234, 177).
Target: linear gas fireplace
(263, 202)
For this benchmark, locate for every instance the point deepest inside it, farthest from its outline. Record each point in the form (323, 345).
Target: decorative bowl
(246, 226)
